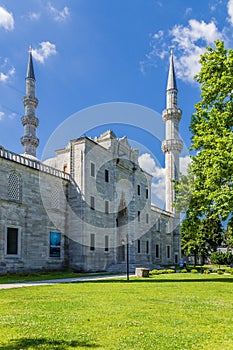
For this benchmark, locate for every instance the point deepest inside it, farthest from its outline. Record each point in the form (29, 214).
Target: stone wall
(28, 215)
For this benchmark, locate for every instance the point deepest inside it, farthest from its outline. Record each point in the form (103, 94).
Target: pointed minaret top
(30, 69)
(171, 83)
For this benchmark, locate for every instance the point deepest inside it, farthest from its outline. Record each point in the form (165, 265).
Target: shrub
(183, 271)
(206, 272)
(221, 258)
(161, 272)
(194, 271)
(220, 272)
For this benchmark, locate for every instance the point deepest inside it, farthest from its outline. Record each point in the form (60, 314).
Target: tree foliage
(212, 139)
(228, 237)
(206, 193)
(221, 258)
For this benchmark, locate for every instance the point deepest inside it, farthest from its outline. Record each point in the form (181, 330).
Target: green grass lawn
(39, 276)
(177, 311)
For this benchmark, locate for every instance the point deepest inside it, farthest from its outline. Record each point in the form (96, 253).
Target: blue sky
(91, 52)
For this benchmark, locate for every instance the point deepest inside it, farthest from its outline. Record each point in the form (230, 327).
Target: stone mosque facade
(88, 208)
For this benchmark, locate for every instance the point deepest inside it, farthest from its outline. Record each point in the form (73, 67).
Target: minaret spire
(172, 145)
(30, 69)
(171, 82)
(29, 120)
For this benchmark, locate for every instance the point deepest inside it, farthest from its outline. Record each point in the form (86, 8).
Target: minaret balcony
(172, 114)
(27, 100)
(174, 145)
(34, 141)
(30, 120)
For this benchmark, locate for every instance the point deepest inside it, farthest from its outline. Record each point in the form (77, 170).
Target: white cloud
(59, 16)
(188, 11)
(148, 164)
(158, 188)
(34, 16)
(4, 77)
(1, 115)
(46, 49)
(158, 35)
(230, 11)
(184, 162)
(158, 49)
(191, 42)
(6, 19)
(195, 31)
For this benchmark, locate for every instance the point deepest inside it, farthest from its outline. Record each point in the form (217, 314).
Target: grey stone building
(88, 208)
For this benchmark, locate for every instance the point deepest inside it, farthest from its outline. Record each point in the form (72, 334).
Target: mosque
(88, 208)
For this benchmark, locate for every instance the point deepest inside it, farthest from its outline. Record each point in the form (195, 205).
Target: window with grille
(54, 196)
(14, 187)
(157, 251)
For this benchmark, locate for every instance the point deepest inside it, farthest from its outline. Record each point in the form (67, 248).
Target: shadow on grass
(44, 343)
(162, 280)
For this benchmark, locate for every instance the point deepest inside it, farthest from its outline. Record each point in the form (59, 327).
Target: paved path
(57, 281)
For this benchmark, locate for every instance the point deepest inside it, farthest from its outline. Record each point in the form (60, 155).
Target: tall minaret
(172, 146)
(29, 120)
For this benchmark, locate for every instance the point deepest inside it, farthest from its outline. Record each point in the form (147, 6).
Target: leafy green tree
(221, 258)
(212, 138)
(200, 237)
(228, 239)
(206, 193)
(189, 243)
(218, 258)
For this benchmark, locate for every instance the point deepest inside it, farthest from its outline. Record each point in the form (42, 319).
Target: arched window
(14, 187)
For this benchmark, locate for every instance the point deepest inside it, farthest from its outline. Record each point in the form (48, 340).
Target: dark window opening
(168, 252)
(92, 245)
(92, 203)
(106, 207)
(106, 175)
(12, 241)
(106, 248)
(139, 246)
(92, 169)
